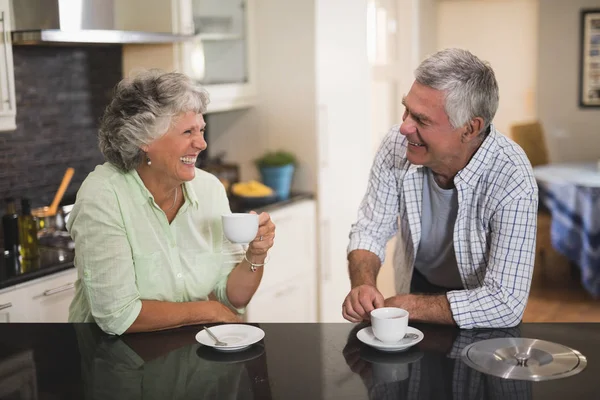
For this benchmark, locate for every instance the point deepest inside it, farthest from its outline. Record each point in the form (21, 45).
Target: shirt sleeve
(377, 218)
(233, 254)
(104, 259)
(501, 299)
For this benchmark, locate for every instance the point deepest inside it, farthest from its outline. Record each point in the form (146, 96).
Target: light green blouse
(126, 250)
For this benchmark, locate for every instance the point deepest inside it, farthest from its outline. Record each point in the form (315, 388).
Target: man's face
(432, 141)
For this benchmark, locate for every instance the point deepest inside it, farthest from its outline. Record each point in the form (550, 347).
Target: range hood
(63, 22)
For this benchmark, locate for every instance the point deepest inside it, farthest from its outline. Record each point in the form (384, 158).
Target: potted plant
(277, 169)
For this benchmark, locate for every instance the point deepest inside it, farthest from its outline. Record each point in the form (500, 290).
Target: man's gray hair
(142, 110)
(469, 84)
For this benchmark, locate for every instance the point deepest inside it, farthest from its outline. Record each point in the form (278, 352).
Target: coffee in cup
(389, 324)
(240, 228)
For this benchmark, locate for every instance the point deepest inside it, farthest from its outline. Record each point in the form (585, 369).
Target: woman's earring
(148, 161)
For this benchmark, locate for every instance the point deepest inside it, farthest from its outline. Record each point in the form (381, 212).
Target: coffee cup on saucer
(389, 324)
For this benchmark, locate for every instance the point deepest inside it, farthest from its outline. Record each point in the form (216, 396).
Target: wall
(61, 93)
(505, 33)
(572, 133)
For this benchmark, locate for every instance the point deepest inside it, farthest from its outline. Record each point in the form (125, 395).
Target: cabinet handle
(5, 306)
(59, 289)
(6, 34)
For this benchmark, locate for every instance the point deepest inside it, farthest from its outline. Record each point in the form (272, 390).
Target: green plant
(275, 159)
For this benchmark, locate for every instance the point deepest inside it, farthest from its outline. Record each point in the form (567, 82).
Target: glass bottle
(28, 232)
(10, 228)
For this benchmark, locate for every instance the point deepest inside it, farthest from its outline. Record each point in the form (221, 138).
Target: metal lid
(523, 358)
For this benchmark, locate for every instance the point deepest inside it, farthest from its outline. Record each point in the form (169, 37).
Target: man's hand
(360, 302)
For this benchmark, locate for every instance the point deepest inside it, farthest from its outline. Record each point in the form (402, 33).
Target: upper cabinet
(8, 107)
(219, 55)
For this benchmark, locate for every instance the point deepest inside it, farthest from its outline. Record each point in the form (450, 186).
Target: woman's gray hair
(142, 110)
(469, 84)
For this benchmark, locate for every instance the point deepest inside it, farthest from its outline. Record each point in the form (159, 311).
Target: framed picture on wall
(589, 75)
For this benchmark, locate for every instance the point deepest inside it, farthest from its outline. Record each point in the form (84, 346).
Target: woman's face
(174, 154)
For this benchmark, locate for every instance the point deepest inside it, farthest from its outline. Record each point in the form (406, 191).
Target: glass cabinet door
(218, 53)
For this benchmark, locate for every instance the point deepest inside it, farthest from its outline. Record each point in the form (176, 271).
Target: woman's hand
(264, 238)
(224, 313)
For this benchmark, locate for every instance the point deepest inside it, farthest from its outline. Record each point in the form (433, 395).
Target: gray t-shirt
(436, 259)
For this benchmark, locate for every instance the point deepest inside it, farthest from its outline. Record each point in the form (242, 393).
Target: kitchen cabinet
(45, 299)
(219, 55)
(8, 106)
(288, 291)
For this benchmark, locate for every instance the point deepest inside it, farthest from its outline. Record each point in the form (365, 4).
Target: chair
(530, 136)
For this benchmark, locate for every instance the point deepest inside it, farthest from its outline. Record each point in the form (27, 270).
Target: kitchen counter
(55, 259)
(293, 361)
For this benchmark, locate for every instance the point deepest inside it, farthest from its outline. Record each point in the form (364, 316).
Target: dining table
(571, 193)
(291, 361)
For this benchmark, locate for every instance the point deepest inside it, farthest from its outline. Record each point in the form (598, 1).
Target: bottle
(10, 228)
(28, 240)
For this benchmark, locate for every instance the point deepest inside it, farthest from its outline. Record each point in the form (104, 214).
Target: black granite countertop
(14, 271)
(293, 361)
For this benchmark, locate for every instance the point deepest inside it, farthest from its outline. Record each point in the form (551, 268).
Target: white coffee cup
(389, 324)
(240, 227)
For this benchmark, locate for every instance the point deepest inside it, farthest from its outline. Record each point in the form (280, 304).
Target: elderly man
(465, 199)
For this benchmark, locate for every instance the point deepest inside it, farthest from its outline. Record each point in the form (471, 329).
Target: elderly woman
(149, 244)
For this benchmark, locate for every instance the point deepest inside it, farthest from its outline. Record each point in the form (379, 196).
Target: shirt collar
(474, 169)
(142, 195)
(190, 194)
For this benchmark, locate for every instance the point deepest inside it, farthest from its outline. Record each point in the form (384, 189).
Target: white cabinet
(220, 56)
(8, 107)
(45, 299)
(288, 291)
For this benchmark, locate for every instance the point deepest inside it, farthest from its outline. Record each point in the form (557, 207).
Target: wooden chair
(530, 136)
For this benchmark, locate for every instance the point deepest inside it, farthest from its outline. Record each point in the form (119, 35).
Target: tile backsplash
(61, 93)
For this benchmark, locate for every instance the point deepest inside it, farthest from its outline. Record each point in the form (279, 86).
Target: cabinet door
(294, 251)
(48, 299)
(12, 306)
(7, 80)
(293, 301)
(220, 57)
(287, 292)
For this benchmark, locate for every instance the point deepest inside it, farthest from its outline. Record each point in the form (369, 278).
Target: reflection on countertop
(15, 270)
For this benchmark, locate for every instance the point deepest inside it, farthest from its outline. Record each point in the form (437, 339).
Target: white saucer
(366, 336)
(237, 336)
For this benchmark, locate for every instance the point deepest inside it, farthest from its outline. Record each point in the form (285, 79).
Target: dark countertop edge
(29, 276)
(283, 203)
(236, 206)
(295, 197)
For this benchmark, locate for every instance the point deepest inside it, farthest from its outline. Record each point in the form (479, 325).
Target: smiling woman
(147, 227)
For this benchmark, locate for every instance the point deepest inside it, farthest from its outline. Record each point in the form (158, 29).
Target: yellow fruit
(251, 189)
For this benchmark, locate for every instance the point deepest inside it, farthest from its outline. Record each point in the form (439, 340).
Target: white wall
(286, 82)
(573, 134)
(504, 33)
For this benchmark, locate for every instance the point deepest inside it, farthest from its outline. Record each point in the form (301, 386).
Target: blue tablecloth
(575, 228)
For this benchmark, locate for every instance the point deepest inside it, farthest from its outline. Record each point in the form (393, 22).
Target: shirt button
(179, 275)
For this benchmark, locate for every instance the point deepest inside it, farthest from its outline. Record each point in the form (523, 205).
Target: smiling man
(462, 198)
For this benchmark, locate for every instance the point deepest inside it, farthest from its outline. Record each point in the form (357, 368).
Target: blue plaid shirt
(494, 234)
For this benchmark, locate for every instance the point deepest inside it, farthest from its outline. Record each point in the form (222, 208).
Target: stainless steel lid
(523, 359)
